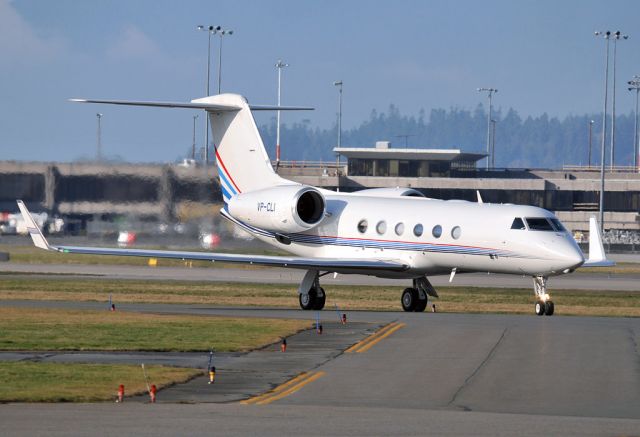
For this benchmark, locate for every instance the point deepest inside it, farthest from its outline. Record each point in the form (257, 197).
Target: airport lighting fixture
(607, 36)
(99, 138)
(221, 32)
(634, 85)
(590, 132)
(279, 65)
(616, 36)
(211, 30)
(338, 83)
(489, 92)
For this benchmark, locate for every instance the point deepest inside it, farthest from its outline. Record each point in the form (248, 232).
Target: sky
(541, 55)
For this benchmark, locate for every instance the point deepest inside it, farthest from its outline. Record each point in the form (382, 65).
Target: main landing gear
(313, 300)
(311, 294)
(415, 299)
(544, 305)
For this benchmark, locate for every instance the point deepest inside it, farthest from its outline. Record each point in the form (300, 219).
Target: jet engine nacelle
(285, 208)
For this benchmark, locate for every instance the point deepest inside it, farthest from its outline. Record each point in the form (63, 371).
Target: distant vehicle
(388, 233)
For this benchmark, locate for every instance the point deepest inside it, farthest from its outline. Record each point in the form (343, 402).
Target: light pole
(616, 36)
(279, 65)
(606, 36)
(338, 83)
(222, 33)
(493, 143)
(193, 144)
(590, 129)
(99, 139)
(211, 30)
(634, 85)
(489, 92)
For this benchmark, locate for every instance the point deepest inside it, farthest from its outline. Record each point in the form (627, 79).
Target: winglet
(597, 256)
(32, 228)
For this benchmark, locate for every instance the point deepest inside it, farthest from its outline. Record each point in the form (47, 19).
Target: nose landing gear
(544, 305)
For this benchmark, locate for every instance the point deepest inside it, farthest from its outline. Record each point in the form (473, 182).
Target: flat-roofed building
(385, 161)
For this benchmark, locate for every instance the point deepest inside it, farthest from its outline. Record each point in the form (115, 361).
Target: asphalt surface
(438, 374)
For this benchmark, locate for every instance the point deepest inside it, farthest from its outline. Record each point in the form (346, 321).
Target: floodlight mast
(616, 36)
(211, 30)
(606, 35)
(279, 65)
(634, 85)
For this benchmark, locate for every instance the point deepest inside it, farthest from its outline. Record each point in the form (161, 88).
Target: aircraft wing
(339, 265)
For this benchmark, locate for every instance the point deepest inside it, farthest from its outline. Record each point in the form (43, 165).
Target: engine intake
(285, 208)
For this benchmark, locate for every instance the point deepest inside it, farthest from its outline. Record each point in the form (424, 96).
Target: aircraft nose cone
(574, 259)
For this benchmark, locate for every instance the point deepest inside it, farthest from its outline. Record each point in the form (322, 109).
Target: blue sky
(541, 55)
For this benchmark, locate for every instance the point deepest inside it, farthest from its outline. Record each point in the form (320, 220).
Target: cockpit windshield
(539, 224)
(556, 224)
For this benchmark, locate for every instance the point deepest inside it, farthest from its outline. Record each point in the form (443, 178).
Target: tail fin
(243, 163)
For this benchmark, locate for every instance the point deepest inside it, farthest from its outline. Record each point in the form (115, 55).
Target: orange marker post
(152, 393)
(283, 346)
(120, 393)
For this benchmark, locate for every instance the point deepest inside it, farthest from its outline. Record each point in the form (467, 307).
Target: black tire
(320, 300)
(308, 301)
(548, 308)
(421, 304)
(409, 299)
(540, 307)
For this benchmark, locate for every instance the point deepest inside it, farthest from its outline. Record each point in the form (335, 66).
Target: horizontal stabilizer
(196, 104)
(597, 256)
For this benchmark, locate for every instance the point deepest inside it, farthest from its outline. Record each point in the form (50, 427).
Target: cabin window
(362, 226)
(456, 232)
(381, 227)
(517, 224)
(417, 230)
(437, 231)
(557, 225)
(399, 229)
(539, 224)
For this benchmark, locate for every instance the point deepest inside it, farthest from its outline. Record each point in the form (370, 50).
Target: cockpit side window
(517, 224)
(557, 225)
(539, 224)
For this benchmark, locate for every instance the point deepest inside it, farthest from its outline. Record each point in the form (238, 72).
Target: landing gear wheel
(308, 301)
(540, 308)
(320, 299)
(548, 308)
(421, 305)
(409, 299)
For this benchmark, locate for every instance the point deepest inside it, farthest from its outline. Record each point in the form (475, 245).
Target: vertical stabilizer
(243, 163)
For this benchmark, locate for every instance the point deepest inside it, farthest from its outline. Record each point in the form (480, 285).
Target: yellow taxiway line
(379, 335)
(283, 390)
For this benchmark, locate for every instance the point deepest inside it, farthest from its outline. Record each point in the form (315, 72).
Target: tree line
(531, 142)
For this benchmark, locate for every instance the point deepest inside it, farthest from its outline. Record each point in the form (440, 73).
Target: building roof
(408, 154)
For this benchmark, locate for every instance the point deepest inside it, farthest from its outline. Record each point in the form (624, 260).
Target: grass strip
(26, 381)
(37, 329)
(383, 298)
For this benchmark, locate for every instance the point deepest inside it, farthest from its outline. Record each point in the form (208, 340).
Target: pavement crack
(467, 381)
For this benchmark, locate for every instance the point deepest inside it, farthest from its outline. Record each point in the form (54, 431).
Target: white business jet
(383, 232)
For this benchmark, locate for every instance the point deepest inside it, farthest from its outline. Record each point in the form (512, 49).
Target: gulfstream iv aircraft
(388, 233)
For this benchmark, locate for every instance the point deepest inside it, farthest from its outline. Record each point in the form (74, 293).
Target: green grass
(63, 382)
(452, 299)
(66, 330)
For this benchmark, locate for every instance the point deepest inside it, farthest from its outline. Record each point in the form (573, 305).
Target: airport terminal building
(86, 191)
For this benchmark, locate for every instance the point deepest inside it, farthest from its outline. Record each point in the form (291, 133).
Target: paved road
(581, 281)
(440, 373)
